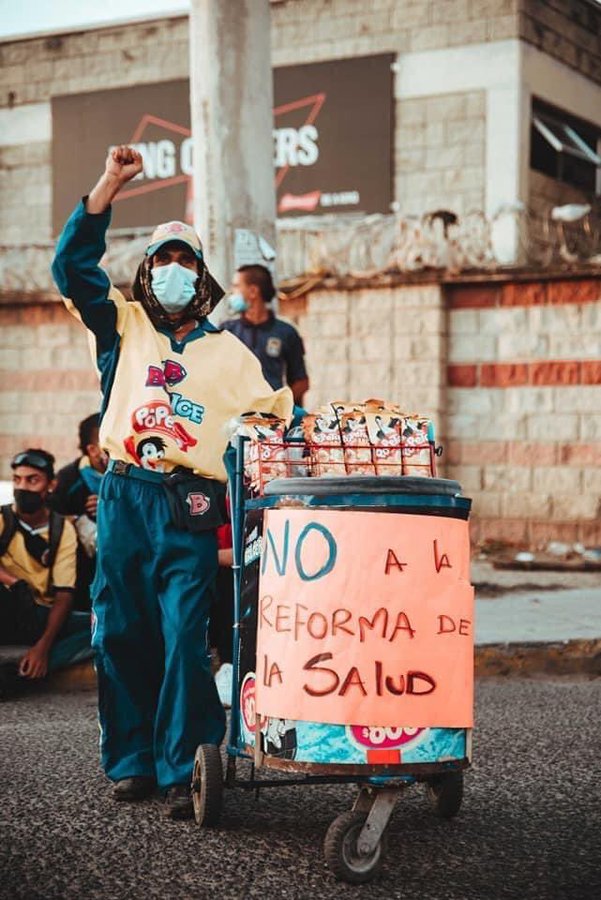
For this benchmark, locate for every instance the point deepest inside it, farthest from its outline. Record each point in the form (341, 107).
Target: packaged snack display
(324, 440)
(265, 452)
(416, 446)
(340, 438)
(384, 429)
(356, 443)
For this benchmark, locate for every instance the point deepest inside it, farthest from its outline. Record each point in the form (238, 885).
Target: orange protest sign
(365, 618)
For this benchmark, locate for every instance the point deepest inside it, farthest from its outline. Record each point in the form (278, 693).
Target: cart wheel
(207, 785)
(446, 793)
(341, 853)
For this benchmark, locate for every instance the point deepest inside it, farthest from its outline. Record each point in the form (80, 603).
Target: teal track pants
(151, 597)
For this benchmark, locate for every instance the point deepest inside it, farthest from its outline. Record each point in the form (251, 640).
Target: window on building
(565, 148)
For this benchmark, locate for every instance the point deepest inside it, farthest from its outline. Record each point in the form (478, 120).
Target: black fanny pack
(196, 503)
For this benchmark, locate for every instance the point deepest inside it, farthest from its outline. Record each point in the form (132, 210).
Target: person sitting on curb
(76, 494)
(37, 568)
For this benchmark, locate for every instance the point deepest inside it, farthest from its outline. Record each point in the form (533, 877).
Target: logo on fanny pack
(198, 503)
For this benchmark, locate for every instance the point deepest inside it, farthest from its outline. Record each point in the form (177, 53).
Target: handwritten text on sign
(365, 618)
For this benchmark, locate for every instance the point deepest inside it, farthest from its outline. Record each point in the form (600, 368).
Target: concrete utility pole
(232, 121)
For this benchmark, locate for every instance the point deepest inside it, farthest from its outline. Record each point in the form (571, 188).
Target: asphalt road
(529, 828)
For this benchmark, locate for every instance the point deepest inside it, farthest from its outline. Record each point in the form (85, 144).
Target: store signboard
(332, 143)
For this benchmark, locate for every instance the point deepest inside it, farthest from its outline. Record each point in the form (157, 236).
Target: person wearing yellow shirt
(171, 381)
(37, 579)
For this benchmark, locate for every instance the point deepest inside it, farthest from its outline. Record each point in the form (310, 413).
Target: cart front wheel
(341, 851)
(207, 785)
(446, 793)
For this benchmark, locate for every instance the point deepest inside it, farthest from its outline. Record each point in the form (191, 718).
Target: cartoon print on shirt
(157, 416)
(150, 452)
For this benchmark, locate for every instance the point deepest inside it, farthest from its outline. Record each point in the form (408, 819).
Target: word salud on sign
(365, 617)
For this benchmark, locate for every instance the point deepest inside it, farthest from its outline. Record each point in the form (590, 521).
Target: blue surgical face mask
(237, 303)
(174, 286)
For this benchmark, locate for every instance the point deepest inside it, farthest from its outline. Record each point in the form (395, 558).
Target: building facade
(494, 104)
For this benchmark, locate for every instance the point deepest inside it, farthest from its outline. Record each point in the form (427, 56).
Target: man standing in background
(276, 343)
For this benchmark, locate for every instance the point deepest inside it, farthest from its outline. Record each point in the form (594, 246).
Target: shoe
(178, 802)
(223, 682)
(138, 787)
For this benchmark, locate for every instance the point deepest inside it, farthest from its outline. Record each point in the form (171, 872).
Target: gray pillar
(232, 120)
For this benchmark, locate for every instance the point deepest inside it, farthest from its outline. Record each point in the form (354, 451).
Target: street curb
(576, 657)
(79, 677)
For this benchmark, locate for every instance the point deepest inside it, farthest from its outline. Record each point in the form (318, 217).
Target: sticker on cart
(278, 736)
(248, 708)
(374, 738)
(384, 745)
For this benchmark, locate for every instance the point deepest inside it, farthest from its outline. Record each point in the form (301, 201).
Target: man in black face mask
(37, 564)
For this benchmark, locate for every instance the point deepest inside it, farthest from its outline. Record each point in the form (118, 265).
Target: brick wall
(524, 408)
(509, 372)
(47, 382)
(569, 30)
(439, 142)
(511, 375)
(440, 153)
(365, 343)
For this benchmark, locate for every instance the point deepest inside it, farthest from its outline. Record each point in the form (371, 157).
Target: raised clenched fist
(124, 163)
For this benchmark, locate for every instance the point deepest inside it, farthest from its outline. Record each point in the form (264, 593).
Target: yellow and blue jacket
(165, 403)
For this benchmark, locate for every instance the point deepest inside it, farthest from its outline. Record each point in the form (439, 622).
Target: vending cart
(353, 648)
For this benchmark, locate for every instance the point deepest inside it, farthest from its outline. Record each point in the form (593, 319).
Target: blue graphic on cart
(320, 742)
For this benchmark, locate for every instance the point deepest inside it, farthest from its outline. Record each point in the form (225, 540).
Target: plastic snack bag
(417, 459)
(356, 442)
(264, 454)
(384, 429)
(322, 435)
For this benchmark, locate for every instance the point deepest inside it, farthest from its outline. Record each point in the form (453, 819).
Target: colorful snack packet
(356, 442)
(416, 446)
(323, 438)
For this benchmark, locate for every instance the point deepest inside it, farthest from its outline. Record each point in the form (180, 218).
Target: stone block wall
(440, 153)
(388, 343)
(510, 374)
(524, 408)
(47, 381)
(569, 30)
(439, 141)
(310, 30)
